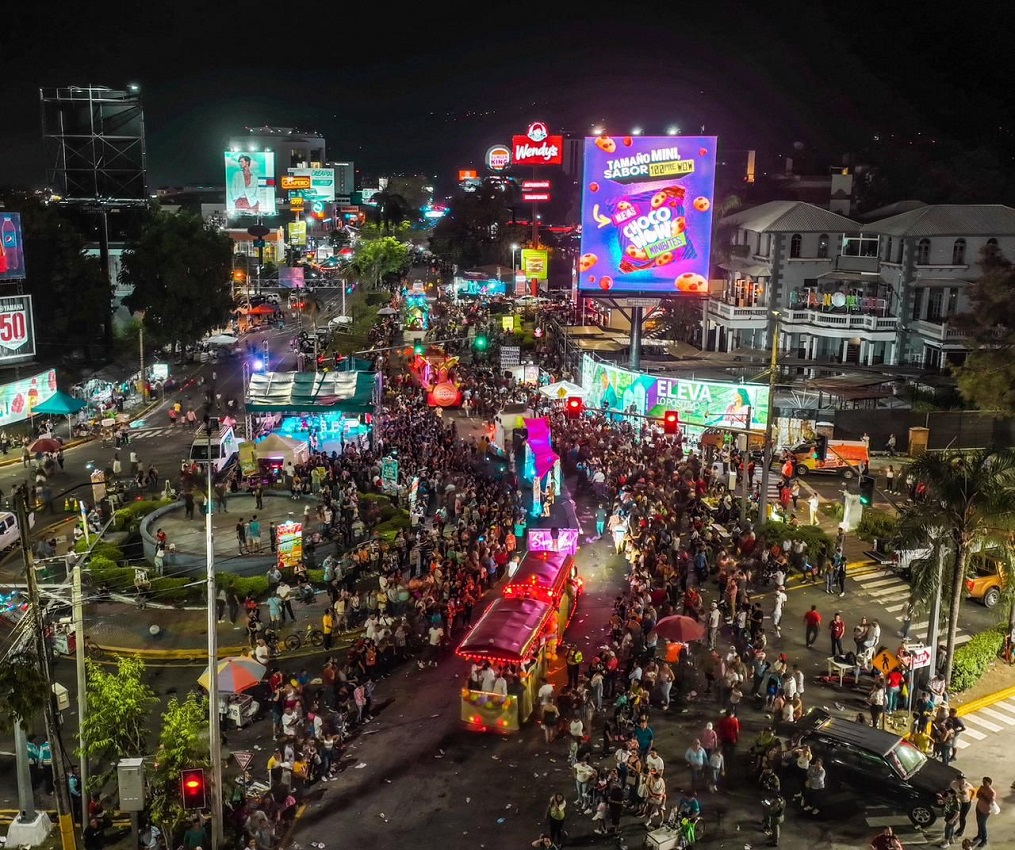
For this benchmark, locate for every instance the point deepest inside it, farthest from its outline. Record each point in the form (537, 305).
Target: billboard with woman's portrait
(250, 182)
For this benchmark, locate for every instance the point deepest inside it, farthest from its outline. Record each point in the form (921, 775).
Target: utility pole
(745, 462)
(766, 462)
(140, 341)
(65, 818)
(214, 729)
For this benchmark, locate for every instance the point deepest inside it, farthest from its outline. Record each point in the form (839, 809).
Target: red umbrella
(680, 629)
(262, 310)
(45, 445)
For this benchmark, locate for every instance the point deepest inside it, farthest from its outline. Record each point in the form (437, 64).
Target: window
(959, 252)
(935, 302)
(923, 252)
(860, 246)
(917, 304)
(823, 246)
(794, 246)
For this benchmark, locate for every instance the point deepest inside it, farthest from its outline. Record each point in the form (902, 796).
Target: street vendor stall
(329, 408)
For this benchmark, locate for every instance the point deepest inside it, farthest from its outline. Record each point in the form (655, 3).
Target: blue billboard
(647, 215)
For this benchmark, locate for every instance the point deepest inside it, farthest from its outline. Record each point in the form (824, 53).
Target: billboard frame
(11, 327)
(263, 169)
(646, 209)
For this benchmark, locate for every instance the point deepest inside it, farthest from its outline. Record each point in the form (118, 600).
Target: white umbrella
(387, 311)
(222, 339)
(562, 389)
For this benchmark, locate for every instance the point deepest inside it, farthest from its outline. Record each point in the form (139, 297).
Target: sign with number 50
(17, 333)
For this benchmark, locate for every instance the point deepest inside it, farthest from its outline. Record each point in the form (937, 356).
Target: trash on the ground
(501, 820)
(361, 765)
(468, 799)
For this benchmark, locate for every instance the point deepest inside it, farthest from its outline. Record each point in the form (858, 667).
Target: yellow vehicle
(835, 457)
(986, 580)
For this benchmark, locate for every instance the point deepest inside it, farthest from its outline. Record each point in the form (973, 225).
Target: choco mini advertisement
(647, 215)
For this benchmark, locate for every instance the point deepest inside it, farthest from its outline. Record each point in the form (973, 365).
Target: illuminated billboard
(647, 214)
(17, 331)
(707, 404)
(534, 263)
(537, 147)
(12, 252)
(250, 182)
(19, 399)
(314, 183)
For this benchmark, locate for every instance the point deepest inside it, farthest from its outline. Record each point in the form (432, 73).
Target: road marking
(997, 715)
(979, 721)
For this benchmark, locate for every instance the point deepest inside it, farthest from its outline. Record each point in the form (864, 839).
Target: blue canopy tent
(61, 404)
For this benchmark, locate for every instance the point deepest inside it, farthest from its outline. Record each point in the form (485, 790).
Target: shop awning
(306, 392)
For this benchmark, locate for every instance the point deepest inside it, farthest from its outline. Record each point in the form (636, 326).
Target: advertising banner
(297, 232)
(12, 254)
(250, 182)
(289, 537)
(17, 331)
(389, 474)
(702, 403)
(647, 214)
(20, 398)
(534, 263)
(315, 183)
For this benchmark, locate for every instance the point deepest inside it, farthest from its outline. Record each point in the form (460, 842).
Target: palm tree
(971, 498)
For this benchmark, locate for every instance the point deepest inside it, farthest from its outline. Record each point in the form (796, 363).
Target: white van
(10, 533)
(221, 446)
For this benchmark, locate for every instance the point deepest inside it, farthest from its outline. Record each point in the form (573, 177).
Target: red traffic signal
(573, 407)
(192, 788)
(671, 422)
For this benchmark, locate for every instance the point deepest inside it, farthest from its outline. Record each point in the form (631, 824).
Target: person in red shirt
(727, 730)
(812, 622)
(887, 840)
(836, 629)
(893, 690)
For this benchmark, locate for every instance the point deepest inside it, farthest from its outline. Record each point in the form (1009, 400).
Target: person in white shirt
(780, 603)
(487, 676)
(500, 685)
(653, 761)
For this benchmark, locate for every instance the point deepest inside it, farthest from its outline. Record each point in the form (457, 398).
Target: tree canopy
(971, 500)
(116, 723)
(183, 743)
(23, 690)
(987, 378)
(377, 257)
(180, 270)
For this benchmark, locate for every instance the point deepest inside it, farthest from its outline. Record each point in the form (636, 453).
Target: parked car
(986, 579)
(879, 764)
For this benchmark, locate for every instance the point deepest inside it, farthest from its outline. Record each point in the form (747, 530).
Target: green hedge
(110, 551)
(128, 518)
(876, 523)
(164, 589)
(775, 531)
(974, 657)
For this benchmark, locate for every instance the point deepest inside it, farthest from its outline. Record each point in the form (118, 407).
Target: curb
(983, 702)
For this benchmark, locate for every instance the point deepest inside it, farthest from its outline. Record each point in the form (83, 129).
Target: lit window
(823, 246)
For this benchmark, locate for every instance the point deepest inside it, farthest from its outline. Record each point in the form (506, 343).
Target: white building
(851, 293)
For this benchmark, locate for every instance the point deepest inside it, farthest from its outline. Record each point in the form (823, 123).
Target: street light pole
(214, 729)
(65, 818)
(766, 462)
(140, 341)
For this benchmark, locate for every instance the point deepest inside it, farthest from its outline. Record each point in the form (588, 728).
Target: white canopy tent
(562, 389)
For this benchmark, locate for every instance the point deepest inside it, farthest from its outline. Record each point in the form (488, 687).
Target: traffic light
(573, 407)
(192, 788)
(480, 342)
(418, 348)
(671, 422)
(866, 490)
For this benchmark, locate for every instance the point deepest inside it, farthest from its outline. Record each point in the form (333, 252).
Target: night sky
(429, 90)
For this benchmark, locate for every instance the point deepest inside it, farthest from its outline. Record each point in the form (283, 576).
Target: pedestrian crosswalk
(878, 817)
(169, 430)
(892, 593)
(992, 719)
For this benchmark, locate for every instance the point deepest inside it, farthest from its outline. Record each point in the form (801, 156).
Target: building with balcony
(842, 292)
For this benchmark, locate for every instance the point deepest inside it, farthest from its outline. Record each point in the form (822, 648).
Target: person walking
(777, 611)
(556, 813)
(876, 701)
(986, 805)
(965, 793)
(839, 573)
(775, 813)
(241, 537)
(812, 622)
(950, 816)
